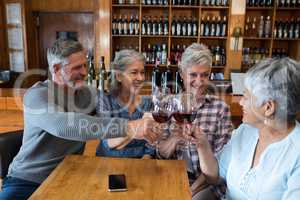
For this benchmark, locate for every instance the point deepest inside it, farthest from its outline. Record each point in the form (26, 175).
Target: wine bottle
(102, 75)
(178, 82)
(155, 77)
(164, 54)
(166, 26)
(137, 25)
(167, 80)
(267, 31)
(224, 27)
(91, 72)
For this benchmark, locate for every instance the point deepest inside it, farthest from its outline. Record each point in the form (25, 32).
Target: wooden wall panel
(234, 58)
(50, 23)
(103, 31)
(3, 43)
(63, 6)
(32, 36)
(37, 7)
(2, 103)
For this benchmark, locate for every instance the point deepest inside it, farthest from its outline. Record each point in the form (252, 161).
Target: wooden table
(86, 178)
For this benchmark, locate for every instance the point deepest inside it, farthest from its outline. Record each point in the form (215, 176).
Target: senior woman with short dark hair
(262, 160)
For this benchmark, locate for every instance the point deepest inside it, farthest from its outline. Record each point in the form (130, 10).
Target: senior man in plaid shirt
(213, 117)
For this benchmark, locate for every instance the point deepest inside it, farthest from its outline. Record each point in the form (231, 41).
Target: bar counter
(11, 99)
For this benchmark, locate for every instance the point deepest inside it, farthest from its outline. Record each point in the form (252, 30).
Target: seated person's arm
(119, 142)
(293, 185)
(208, 162)
(104, 110)
(167, 147)
(225, 128)
(75, 126)
(199, 184)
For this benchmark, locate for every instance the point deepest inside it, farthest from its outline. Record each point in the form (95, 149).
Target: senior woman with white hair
(262, 160)
(124, 101)
(213, 115)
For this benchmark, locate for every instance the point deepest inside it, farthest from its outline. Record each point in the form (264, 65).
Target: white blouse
(277, 175)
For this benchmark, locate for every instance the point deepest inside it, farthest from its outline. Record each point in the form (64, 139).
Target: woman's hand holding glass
(185, 113)
(197, 137)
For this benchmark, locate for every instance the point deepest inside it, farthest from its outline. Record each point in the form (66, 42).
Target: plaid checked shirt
(213, 117)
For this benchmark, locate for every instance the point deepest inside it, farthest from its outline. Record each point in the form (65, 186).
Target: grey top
(56, 125)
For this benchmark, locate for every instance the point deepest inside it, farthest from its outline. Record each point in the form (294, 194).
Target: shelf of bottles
(258, 27)
(287, 4)
(271, 29)
(257, 32)
(162, 29)
(286, 29)
(252, 55)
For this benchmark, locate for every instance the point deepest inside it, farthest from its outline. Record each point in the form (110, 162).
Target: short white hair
(277, 80)
(60, 51)
(195, 54)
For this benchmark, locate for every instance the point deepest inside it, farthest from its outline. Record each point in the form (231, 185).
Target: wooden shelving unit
(171, 11)
(126, 5)
(260, 8)
(271, 43)
(214, 7)
(257, 38)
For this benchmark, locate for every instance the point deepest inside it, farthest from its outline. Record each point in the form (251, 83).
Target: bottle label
(160, 29)
(143, 29)
(154, 29)
(178, 29)
(137, 28)
(125, 28)
(166, 29)
(148, 29)
(201, 29)
(173, 29)
(224, 30)
(183, 30)
(212, 31)
(218, 30)
(206, 33)
(189, 30)
(131, 28)
(195, 29)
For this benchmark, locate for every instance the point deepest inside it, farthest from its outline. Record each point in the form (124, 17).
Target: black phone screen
(116, 182)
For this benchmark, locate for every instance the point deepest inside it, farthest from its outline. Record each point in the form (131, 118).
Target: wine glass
(162, 108)
(185, 111)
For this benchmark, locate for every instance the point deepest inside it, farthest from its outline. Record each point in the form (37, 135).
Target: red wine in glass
(182, 117)
(161, 117)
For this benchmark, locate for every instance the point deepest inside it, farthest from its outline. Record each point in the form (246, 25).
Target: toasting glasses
(185, 112)
(181, 106)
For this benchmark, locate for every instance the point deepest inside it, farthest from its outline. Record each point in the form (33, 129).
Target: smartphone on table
(117, 183)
